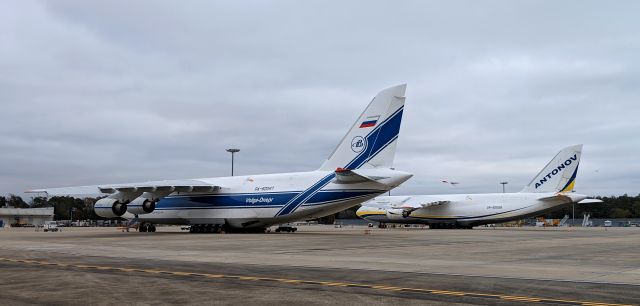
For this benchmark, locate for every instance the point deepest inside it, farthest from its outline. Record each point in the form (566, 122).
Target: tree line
(63, 207)
(623, 206)
(613, 207)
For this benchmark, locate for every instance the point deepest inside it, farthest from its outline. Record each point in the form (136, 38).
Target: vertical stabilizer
(371, 141)
(559, 175)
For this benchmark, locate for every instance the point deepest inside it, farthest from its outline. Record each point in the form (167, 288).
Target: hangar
(25, 216)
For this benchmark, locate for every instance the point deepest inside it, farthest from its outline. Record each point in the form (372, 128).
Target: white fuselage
(463, 209)
(263, 200)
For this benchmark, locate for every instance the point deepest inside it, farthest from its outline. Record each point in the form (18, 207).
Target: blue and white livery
(359, 169)
(550, 189)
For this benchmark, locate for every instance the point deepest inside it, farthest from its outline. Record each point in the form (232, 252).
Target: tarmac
(322, 265)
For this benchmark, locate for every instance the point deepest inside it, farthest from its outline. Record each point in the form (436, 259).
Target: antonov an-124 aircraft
(550, 189)
(359, 169)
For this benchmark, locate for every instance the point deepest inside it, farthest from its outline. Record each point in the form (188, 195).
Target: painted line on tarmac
(511, 298)
(596, 282)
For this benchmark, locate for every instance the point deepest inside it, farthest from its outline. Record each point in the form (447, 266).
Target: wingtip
(36, 191)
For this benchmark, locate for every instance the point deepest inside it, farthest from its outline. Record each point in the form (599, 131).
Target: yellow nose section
(368, 211)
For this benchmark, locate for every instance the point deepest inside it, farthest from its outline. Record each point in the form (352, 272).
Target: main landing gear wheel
(146, 227)
(449, 226)
(218, 228)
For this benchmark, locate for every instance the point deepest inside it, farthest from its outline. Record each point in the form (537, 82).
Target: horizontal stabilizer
(557, 196)
(385, 177)
(344, 176)
(588, 201)
(571, 197)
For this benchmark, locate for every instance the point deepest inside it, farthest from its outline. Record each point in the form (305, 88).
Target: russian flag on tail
(369, 121)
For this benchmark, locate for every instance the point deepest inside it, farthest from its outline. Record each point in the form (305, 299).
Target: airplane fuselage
(463, 209)
(263, 200)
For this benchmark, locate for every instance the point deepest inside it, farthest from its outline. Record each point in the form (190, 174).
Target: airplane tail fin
(371, 141)
(559, 175)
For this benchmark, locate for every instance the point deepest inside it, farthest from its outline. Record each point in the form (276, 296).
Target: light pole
(233, 152)
(503, 183)
(71, 215)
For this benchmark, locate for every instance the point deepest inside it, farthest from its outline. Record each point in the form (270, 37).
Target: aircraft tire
(152, 228)
(142, 228)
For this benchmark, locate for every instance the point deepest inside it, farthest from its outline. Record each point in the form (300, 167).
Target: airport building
(25, 216)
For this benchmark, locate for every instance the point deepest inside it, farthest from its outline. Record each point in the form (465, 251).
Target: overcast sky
(98, 92)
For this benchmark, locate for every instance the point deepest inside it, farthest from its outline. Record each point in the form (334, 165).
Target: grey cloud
(118, 91)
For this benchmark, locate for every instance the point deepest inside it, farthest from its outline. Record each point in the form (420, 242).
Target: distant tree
(619, 213)
(38, 202)
(635, 208)
(17, 201)
(3, 201)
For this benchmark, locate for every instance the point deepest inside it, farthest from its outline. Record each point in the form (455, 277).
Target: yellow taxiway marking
(519, 298)
(447, 292)
(523, 299)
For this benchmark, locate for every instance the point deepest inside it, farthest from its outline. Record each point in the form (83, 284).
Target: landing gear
(206, 228)
(286, 228)
(146, 227)
(449, 226)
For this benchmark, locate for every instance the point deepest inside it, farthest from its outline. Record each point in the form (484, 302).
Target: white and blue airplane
(359, 169)
(549, 190)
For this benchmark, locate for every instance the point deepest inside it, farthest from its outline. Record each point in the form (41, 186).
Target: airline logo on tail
(370, 122)
(358, 144)
(557, 170)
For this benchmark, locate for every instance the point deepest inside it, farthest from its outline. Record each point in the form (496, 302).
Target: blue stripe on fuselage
(243, 200)
(302, 197)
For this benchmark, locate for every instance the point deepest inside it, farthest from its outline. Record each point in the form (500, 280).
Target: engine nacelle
(110, 208)
(141, 206)
(395, 213)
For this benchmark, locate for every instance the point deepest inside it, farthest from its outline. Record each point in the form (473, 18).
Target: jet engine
(141, 205)
(396, 213)
(110, 208)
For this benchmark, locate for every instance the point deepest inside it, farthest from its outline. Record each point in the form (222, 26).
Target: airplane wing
(417, 205)
(150, 186)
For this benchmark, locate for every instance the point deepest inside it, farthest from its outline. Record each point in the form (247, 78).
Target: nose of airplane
(361, 211)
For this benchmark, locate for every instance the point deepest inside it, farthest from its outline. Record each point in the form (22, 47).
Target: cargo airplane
(359, 169)
(550, 189)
